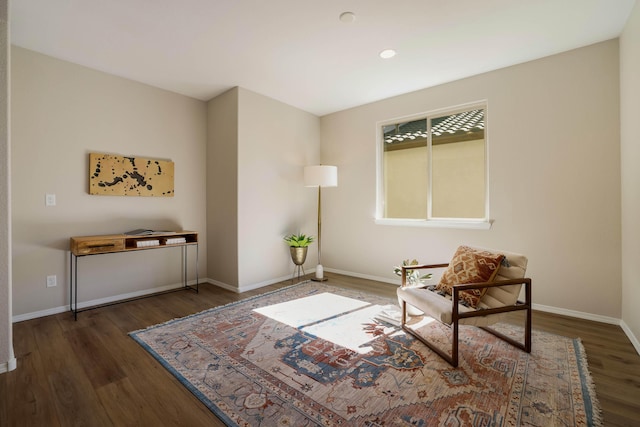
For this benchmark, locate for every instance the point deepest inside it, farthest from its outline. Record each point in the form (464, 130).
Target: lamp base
(319, 276)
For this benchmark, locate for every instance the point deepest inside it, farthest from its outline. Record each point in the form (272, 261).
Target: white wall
(257, 150)
(275, 142)
(554, 168)
(7, 359)
(222, 189)
(630, 155)
(60, 113)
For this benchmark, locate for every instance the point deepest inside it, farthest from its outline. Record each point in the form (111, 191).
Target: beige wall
(60, 113)
(554, 179)
(275, 142)
(7, 360)
(630, 155)
(256, 153)
(222, 188)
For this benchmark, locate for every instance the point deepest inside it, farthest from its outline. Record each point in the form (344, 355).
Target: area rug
(316, 355)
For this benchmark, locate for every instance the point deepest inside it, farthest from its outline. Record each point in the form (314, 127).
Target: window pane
(458, 165)
(405, 170)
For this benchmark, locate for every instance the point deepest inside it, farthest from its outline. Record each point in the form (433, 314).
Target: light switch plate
(52, 281)
(50, 200)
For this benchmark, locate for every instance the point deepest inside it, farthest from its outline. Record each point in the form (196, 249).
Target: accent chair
(477, 287)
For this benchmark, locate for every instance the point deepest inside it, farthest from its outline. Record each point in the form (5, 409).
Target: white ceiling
(299, 52)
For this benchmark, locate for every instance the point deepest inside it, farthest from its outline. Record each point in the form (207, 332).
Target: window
(433, 169)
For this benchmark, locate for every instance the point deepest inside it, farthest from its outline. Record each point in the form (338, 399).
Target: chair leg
(526, 345)
(452, 360)
(404, 313)
(454, 343)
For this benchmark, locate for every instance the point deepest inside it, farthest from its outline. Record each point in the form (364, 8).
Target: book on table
(147, 243)
(174, 240)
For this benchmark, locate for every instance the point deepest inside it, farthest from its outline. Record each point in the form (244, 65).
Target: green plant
(413, 276)
(298, 240)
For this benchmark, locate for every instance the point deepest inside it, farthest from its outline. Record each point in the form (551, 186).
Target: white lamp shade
(321, 176)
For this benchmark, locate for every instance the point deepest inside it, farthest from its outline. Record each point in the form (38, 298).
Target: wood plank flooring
(91, 373)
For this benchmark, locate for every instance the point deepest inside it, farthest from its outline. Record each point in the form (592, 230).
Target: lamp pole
(319, 274)
(320, 176)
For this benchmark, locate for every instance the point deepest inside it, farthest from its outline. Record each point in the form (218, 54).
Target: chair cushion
(470, 265)
(439, 307)
(514, 266)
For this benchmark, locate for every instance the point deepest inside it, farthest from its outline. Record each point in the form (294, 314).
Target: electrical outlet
(51, 281)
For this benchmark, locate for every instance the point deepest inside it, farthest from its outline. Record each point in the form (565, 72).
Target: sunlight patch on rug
(311, 309)
(339, 367)
(343, 321)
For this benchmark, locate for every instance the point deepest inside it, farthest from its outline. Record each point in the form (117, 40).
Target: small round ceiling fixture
(387, 53)
(347, 17)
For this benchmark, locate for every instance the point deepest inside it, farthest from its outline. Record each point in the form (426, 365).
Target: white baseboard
(577, 314)
(249, 287)
(101, 301)
(115, 298)
(545, 308)
(263, 284)
(223, 285)
(595, 318)
(396, 282)
(9, 365)
(632, 337)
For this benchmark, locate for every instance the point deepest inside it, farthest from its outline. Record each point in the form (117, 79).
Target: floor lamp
(320, 176)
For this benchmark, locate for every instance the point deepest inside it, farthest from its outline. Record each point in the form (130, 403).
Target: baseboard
(263, 284)
(631, 336)
(577, 314)
(9, 365)
(101, 301)
(115, 298)
(223, 285)
(546, 308)
(249, 287)
(396, 282)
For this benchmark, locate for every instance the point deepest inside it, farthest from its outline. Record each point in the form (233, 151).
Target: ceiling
(299, 51)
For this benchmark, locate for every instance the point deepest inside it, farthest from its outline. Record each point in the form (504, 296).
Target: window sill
(453, 223)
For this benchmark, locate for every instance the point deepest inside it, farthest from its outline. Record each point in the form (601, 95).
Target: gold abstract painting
(113, 175)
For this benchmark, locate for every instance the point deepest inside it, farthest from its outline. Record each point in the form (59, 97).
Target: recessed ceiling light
(347, 17)
(387, 53)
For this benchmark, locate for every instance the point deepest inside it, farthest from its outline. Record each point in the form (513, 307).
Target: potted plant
(413, 276)
(298, 246)
(413, 279)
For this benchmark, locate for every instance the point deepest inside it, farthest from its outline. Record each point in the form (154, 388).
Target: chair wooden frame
(456, 315)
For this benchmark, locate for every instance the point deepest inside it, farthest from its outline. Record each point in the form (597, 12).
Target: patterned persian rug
(315, 355)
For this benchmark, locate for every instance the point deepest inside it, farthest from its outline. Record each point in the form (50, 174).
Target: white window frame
(461, 223)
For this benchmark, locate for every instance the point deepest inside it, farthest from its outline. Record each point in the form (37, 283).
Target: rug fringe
(596, 409)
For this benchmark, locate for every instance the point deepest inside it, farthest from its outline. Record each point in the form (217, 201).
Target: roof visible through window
(457, 127)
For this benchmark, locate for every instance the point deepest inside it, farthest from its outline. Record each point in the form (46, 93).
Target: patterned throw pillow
(470, 265)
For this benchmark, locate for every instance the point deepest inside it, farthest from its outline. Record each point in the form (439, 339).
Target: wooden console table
(114, 243)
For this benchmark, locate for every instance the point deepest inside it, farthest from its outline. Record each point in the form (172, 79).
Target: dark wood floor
(91, 373)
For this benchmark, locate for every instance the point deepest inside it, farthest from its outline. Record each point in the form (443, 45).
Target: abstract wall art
(113, 175)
